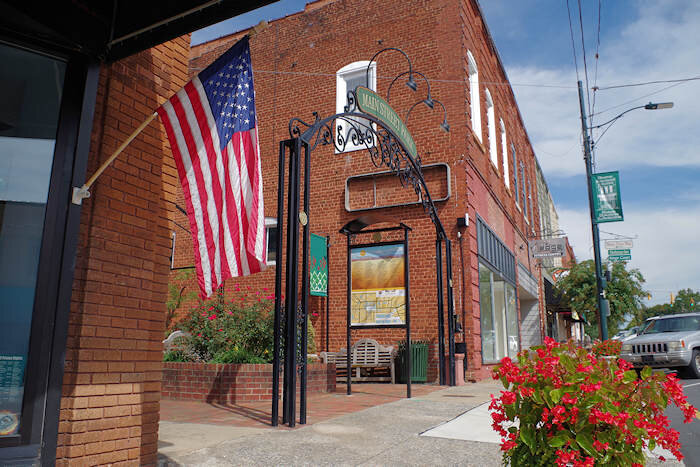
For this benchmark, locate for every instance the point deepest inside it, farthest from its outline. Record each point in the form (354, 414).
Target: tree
(624, 292)
(686, 301)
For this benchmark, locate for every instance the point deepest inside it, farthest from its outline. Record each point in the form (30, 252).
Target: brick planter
(232, 383)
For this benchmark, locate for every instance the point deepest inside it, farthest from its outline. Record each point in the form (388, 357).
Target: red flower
(508, 397)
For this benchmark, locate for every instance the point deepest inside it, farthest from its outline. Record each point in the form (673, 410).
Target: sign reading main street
(607, 205)
(371, 103)
(548, 247)
(615, 244)
(620, 255)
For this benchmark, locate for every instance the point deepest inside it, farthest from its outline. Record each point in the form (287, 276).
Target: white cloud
(665, 250)
(660, 43)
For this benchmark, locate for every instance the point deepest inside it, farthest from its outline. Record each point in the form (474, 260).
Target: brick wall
(113, 363)
(295, 61)
(231, 383)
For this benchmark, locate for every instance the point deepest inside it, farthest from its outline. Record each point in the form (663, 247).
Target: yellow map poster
(378, 287)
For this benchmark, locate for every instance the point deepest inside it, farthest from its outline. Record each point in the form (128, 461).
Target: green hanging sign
(607, 204)
(372, 103)
(318, 269)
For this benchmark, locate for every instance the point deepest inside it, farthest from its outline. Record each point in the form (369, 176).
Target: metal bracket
(79, 194)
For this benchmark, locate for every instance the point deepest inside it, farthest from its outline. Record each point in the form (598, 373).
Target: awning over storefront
(110, 30)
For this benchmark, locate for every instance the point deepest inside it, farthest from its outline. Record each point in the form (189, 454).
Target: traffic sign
(624, 254)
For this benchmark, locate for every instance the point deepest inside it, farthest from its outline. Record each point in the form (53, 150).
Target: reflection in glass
(30, 97)
(488, 334)
(499, 316)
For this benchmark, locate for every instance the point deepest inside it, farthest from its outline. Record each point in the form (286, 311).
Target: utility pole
(602, 309)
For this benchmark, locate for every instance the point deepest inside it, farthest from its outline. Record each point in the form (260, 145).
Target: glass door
(31, 88)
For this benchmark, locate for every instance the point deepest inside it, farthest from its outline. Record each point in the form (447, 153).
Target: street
(690, 432)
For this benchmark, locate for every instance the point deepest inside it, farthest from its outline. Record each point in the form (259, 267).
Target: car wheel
(693, 370)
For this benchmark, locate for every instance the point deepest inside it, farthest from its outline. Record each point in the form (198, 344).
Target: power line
(585, 63)
(573, 45)
(460, 81)
(681, 80)
(638, 98)
(597, 56)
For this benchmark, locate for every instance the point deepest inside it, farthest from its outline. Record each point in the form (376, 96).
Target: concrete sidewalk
(434, 428)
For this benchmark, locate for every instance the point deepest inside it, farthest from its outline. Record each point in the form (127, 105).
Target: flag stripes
(222, 188)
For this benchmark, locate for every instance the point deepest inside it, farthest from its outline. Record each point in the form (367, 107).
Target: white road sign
(618, 244)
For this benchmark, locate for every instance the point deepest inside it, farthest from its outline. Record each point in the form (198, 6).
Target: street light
(649, 106)
(600, 292)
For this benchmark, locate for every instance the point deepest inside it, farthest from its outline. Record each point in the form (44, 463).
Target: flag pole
(79, 194)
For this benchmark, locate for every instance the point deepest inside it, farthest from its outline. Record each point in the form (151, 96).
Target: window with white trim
(504, 152)
(271, 233)
(515, 176)
(524, 190)
(491, 126)
(347, 79)
(474, 100)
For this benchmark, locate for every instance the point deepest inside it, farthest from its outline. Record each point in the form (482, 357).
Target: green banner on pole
(319, 266)
(607, 204)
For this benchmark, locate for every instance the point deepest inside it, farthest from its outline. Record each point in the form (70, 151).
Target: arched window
(504, 154)
(474, 99)
(347, 79)
(491, 124)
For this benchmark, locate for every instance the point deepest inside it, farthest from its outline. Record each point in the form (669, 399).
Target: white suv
(671, 341)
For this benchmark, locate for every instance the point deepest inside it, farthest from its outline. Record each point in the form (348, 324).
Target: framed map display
(378, 286)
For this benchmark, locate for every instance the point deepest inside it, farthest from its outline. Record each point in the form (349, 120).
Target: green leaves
(555, 394)
(585, 441)
(646, 372)
(527, 434)
(560, 439)
(629, 376)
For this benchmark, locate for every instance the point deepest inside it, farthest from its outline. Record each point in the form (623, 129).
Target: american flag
(210, 124)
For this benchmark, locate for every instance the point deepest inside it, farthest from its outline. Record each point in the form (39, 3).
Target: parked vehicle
(627, 334)
(671, 341)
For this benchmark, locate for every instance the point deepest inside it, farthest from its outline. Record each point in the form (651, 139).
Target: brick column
(113, 367)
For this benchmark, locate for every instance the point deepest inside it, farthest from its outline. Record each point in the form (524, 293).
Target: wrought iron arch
(386, 149)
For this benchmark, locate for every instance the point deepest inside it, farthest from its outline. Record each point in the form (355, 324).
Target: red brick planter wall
(231, 383)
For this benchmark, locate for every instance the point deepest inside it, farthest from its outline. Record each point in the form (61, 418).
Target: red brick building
(483, 169)
(83, 288)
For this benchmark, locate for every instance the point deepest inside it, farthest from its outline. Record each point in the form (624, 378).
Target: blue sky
(656, 152)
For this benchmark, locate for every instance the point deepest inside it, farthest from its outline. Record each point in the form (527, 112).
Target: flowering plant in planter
(565, 406)
(607, 348)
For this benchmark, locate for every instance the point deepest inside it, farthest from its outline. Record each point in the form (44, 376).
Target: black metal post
(292, 280)
(406, 276)
(305, 278)
(450, 310)
(602, 318)
(349, 316)
(440, 310)
(328, 288)
(278, 289)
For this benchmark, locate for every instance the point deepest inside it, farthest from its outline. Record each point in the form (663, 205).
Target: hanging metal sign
(607, 204)
(548, 247)
(318, 271)
(371, 103)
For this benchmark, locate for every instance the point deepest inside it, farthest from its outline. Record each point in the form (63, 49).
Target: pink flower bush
(574, 409)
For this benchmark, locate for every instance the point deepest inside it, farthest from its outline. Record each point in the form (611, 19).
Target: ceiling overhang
(111, 30)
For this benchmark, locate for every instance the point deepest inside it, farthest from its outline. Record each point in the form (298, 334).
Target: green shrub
(236, 355)
(174, 356)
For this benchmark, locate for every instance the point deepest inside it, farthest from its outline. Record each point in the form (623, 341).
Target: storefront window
(30, 95)
(499, 316)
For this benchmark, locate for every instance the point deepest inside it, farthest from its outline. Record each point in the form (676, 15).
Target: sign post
(607, 203)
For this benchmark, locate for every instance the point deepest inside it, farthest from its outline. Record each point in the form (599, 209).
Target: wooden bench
(366, 356)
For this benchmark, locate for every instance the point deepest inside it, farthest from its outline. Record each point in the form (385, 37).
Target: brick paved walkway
(319, 406)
